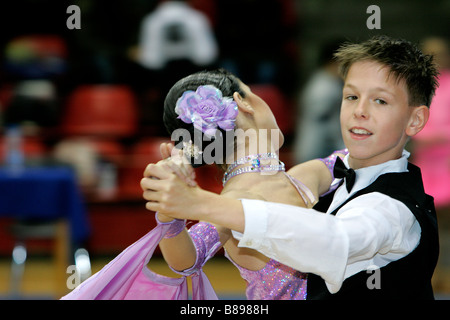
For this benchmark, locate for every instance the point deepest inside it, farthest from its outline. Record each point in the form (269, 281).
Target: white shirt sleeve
(372, 229)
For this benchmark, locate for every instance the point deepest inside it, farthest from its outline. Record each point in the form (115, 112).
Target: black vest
(408, 277)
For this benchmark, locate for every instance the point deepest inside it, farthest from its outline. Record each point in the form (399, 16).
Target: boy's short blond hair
(405, 60)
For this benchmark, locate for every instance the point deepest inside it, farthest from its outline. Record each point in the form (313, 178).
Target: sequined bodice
(275, 281)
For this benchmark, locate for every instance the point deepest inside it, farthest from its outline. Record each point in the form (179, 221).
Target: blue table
(44, 193)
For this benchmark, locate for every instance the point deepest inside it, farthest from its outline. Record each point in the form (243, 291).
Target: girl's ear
(418, 120)
(242, 104)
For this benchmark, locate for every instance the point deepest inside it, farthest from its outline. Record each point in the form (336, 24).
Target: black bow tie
(340, 171)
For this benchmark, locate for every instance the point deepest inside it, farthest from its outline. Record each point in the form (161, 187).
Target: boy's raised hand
(167, 194)
(173, 159)
(168, 182)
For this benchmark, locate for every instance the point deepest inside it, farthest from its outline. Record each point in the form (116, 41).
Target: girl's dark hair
(219, 78)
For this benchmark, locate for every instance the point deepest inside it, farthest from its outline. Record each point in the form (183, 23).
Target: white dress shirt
(367, 233)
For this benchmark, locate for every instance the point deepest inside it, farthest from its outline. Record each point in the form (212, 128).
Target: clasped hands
(169, 186)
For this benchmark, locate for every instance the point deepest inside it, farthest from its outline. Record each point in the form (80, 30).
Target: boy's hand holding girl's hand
(166, 184)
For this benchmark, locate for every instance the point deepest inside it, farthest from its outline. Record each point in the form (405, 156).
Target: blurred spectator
(257, 41)
(99, 50)
(174, 40)
(83, 157)
(35, 57)
(176, 31)
(34, 66)
(431, 152)
(432, 144)
(318, 131)
(34, 106)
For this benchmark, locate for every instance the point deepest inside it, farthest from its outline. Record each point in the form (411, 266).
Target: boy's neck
(356, 163)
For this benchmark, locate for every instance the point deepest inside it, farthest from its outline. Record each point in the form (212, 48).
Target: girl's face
(263, 117)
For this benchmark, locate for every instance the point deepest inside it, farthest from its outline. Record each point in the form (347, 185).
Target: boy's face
(376, 118)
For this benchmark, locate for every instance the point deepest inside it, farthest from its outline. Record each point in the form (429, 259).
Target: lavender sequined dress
(275, 281)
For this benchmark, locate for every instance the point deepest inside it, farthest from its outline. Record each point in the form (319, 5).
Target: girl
(208, 106)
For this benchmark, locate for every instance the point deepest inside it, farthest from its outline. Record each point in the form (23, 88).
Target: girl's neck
(262, 164)
(246, 150)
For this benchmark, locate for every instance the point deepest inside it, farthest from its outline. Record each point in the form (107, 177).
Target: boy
(385, 221)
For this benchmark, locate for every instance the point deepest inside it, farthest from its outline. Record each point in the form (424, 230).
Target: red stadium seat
(101, 110)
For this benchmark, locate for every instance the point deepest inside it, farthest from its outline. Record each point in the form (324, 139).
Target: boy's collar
(365, 176)
(405, 156)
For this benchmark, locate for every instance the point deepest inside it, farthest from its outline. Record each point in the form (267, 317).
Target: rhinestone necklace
(255, 165)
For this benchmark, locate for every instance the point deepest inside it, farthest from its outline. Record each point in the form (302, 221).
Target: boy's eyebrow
(349, 85)
(377, 89)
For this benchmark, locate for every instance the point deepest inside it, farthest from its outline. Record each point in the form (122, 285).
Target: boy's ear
(418, 120)
(242, 104)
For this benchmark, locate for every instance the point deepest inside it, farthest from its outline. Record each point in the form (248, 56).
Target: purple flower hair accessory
(207, 109)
